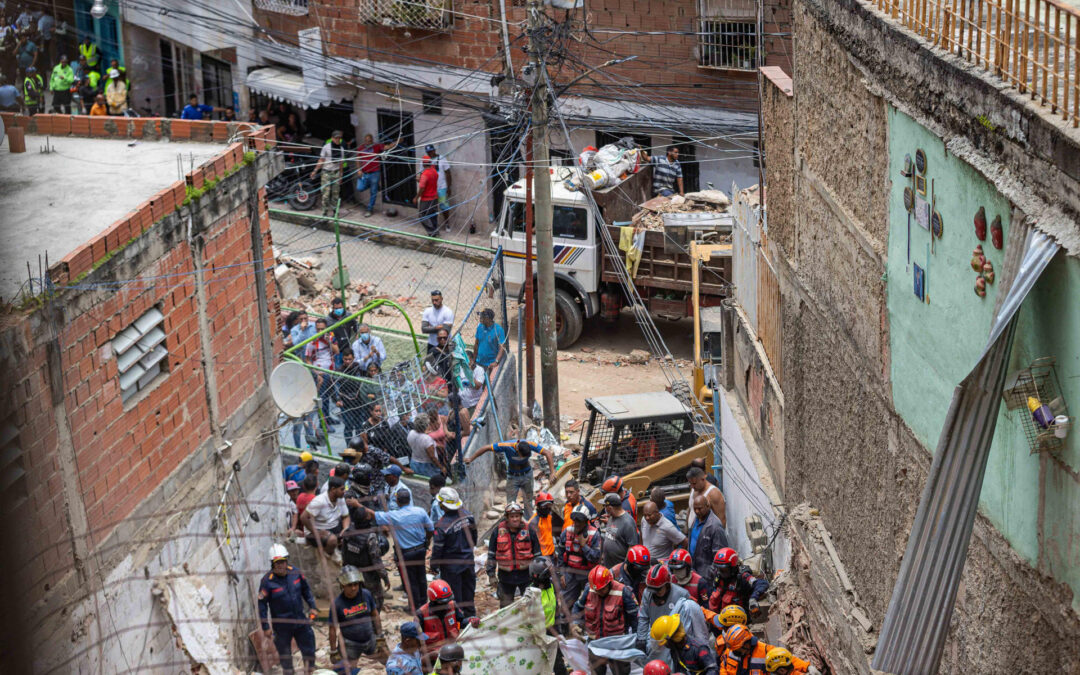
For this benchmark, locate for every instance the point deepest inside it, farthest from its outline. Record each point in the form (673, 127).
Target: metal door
(399, 167)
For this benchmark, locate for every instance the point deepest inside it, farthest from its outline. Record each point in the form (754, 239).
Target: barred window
(140, 353)
(725, 43)
(292, 7)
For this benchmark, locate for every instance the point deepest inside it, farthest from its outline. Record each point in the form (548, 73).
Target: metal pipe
(340, 265)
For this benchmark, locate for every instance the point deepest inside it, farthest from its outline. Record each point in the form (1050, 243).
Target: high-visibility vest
(32, 87)
(90, 52)
(94, 77)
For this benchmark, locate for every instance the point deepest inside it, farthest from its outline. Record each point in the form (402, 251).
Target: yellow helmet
(777, 657)
(306, 457)
(665, 627)
(731, 615)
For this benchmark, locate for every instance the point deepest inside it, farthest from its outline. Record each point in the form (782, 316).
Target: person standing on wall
(332, 164)
(435, 317)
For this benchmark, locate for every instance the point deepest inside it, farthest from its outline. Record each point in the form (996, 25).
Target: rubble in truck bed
(650, 216)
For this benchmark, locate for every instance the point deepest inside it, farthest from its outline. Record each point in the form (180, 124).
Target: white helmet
(449, 498)
(278, 552)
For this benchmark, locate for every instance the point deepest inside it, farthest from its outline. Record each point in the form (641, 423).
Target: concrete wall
(110, 484)
(483, 474)
(858, 399)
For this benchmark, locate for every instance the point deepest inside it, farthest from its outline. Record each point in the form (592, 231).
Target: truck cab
(577, 269)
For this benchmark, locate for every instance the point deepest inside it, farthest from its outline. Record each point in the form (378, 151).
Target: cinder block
(201, 130)
(180, 130)
(62, 125)
(97, 127)
(80, 125)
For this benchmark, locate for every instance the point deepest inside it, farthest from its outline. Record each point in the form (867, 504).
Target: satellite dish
(293, 389)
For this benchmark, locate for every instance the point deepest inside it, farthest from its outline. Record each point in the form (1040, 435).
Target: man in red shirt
(427, 196)
(369, 155)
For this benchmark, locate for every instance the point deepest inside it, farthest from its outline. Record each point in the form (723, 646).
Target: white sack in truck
(606, 167)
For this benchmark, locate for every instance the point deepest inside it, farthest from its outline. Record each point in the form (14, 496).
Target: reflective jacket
(90, 52)
(513, 550)
(284, 598)
(440, 627)
(695, 657)
(754, 662)
(547, 530)
(575, 556)
(699, 588)
(32, 89)
(738, 590)
(613, 614)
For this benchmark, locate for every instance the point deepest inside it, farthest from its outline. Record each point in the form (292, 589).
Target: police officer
(362, 545)
(282, 594)
(355, 618)
(578, 551)
(452, 553)
(33, 92)
(511, 549)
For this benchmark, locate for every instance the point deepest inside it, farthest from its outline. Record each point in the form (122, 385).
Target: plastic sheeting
(511, 641)
(917, 621)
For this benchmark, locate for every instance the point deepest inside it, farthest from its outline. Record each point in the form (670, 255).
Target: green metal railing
(388, 230)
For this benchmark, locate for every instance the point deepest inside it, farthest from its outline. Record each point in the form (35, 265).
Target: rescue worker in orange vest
(693, 656)
(572, 491)
(733, 584)
(631, 572)
(682, 572)
(546, 524)
(511, 548)
(780, 661)
(746, 654)
(578, 552)
(605, 608)
(614, 484)
(440, 618)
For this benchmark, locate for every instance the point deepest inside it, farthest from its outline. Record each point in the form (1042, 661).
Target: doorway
(399, 168)
(217, 82)
(691, 170)
(503, 144)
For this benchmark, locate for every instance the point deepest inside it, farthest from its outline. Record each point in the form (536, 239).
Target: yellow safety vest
(90, 52)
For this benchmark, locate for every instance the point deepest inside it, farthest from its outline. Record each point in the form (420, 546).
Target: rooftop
(627, 408)
(54, 202)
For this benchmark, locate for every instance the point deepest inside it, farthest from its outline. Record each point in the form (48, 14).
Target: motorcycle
(295, 185)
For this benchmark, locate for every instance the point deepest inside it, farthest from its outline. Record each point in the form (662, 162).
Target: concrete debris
(714, 197)
(639, 356)
(288, 286)
(195, 620)
(650, 218)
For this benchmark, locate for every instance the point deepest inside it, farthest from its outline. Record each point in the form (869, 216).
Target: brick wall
(119, 452)
(667, 60)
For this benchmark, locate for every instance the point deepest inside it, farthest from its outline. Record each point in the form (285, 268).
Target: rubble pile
(307, 285)
(703, 201)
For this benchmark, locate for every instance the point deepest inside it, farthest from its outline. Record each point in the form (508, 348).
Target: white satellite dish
(293, 389)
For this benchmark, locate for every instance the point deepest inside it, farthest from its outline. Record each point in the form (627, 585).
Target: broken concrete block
(639, 356)
(288, 287)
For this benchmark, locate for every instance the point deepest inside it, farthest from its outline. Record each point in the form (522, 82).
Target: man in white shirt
(326, 516)
(659, 534)
(470, 396)
(435, 317)
(368, 348)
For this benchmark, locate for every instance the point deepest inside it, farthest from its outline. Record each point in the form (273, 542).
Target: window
(567, 222)
(643, 141)
(560, 157)
(291, 7)
(727, 43)
(432, 102)
(427, 14)
(140, 353)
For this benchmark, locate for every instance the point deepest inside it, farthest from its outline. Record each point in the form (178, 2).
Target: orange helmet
(612, 484)
(656, 667)
(544, 497)
(599, 577)
(736, 636)
(439, 592)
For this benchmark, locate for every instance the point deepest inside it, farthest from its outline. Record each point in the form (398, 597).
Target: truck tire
(568, 317)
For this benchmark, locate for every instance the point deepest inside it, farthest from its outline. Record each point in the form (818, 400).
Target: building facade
(905, 165)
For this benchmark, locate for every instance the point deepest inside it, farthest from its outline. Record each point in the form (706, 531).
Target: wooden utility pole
(545, 254)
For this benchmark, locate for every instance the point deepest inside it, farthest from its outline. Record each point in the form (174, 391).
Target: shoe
(368, 212)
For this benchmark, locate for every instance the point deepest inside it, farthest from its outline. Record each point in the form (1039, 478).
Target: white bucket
(1061, 426)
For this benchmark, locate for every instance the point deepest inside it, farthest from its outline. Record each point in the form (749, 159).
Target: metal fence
(1030, 44)
(757, 288)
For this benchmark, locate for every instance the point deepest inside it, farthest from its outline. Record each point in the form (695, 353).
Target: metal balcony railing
(727, 43)
(426, 14)
(291, 7)
(1029, 44)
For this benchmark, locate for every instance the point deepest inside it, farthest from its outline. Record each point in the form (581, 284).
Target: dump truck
(587, 276)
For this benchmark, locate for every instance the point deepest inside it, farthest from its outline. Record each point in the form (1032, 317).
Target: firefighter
(719, 622)
(579, 551)
(748, 654)
(546, 523)
(733, 584)
(694, 656)
(780, 661)
(282, 595)
(451, 660)
(631, 572)
(605, 608)
(452, 553)
(614, 484)
(440, 618)
(682, 572)
(356, 618)
(511, 548)
(662, 598)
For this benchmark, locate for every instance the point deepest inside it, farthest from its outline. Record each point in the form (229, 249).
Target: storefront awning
(284, 85)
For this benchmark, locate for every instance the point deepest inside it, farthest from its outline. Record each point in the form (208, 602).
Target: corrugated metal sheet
(917, 621)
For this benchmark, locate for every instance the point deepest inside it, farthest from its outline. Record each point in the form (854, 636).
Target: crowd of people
(677, 591)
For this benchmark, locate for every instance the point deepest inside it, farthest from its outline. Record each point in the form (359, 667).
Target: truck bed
(668, 271)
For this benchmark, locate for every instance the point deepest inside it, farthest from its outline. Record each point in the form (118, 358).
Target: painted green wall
(934, 346)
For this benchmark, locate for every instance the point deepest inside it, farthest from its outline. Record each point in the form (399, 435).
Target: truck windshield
(567, 222)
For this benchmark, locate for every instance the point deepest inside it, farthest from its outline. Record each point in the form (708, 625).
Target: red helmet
(439, 592)
(612, 484)
(656, 667)
(726, 556)
(658, 576)
(544, 497)
(599, 577)
(680, 558)
(578, 672)
(638, 555)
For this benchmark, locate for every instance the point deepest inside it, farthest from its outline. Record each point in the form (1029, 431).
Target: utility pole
(545, 254)
(530, 297)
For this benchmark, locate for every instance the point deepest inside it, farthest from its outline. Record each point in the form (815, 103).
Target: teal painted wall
(934, 345)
